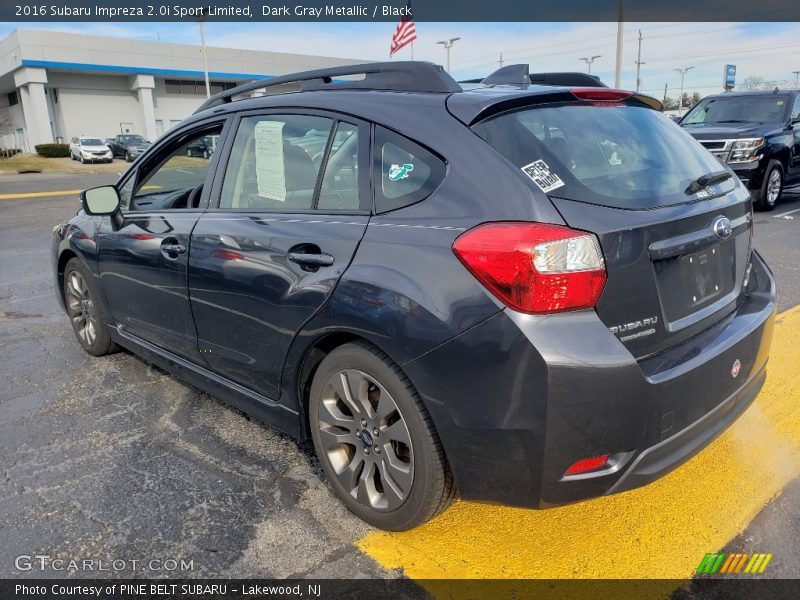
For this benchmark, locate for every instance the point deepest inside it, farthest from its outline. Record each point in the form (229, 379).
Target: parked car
(757, 133)
(204, 147)
(128, 146)
(89, 149)
(531, 294)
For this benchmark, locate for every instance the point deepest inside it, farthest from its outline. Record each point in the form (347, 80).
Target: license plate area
(692, 281)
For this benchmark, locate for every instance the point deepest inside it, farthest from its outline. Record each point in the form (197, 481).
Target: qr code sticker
(540, 173)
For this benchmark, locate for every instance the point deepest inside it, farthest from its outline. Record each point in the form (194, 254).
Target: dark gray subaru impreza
(524, 294)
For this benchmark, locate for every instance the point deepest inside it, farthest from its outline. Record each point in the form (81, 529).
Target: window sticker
(270, 172)
(398, 172)
(541, 175)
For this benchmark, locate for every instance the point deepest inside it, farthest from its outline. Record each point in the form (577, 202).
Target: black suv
(531, 294)
(757, 133)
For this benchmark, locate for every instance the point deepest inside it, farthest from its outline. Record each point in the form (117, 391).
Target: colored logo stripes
(733, 563)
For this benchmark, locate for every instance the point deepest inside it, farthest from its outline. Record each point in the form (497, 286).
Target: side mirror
(103, 200)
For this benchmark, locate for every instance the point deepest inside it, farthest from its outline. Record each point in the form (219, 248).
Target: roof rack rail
(401, 76)
(520, 75)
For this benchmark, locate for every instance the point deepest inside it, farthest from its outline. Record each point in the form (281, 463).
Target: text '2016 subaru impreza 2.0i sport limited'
(514, 293)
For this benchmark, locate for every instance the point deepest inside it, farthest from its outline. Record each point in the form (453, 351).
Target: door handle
(317, 260)
(170, 248)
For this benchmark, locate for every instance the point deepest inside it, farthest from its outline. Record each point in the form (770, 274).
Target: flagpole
(412, 50)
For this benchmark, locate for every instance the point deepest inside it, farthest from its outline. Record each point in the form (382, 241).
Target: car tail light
(587, 464)
(533, 267)
(600, 94)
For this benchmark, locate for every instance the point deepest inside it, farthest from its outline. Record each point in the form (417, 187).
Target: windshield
(738, 109)
(92, 142)
(136, 139)
(619, 156)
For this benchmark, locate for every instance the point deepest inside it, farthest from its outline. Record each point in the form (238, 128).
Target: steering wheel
(194, 197)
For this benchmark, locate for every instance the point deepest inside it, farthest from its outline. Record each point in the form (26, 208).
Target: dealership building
(55, 86)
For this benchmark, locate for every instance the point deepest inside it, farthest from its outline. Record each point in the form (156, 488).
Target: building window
(196, 88)
(13, 99)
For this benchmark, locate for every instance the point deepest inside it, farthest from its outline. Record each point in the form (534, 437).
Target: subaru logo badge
(722, 228)
(737, 366)
(366, 438)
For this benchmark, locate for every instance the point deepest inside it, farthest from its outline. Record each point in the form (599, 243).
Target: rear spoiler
(520, 75)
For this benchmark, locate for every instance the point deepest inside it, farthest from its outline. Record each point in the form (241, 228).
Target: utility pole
(620, 33)
(589, 60)
(639, 63)
(796, 77)
(205, 54)
(447, 45)
(683, 72)
(501, 60)
(665, 94)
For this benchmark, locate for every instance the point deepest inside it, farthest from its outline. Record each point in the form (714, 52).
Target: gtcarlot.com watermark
(44, 562)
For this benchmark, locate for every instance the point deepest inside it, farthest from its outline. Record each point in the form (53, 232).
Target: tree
(753, 82)
(670, 103)
(696, 97)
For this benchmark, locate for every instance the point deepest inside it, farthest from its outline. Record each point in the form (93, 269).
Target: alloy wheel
(81, 308)
(366, 440)
(773, 187)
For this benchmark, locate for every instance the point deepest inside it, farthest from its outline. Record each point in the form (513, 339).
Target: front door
(291, 210)
(143, 264)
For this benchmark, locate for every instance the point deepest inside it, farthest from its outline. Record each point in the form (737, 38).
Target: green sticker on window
(398, 172)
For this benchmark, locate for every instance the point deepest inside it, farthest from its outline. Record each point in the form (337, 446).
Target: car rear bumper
(519, 398)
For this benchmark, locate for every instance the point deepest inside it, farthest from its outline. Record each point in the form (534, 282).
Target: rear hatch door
(676, 247)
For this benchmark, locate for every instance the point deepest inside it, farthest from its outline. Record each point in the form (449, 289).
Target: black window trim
(161, 146)
(364, 152)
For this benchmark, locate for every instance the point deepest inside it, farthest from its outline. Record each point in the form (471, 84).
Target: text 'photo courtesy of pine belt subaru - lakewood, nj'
(527, 294)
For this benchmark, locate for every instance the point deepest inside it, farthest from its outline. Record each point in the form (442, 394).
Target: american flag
(405, 33)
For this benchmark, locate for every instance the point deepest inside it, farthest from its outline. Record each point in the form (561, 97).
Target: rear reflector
(534, 267)
(600, 94)
(587, 464)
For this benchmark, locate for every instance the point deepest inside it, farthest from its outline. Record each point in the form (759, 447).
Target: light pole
(683, 72)
(205, 55)
(589, 60)
(796, 77)
(447, 45)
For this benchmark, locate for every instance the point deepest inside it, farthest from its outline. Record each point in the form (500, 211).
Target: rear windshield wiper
(706, 180)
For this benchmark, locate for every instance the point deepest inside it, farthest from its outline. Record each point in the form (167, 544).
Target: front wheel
(128, 157)
(375, 441)
(772, 188)
(85, 310)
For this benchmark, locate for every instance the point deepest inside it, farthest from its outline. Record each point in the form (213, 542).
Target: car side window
(407, 173)
(339, 189)
(796, 109)
(275, 162)
(172, 178)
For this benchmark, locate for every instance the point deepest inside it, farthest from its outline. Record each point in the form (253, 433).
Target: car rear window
(738, 109)
(616, 155)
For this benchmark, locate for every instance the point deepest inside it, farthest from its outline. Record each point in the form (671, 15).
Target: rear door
(794, 169)
(291, 206)
(676, 251)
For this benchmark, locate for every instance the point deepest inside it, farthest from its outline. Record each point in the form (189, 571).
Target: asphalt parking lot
(112, 459)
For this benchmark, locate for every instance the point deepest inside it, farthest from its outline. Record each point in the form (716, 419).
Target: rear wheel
(375, 440)
(772, 188)
(86, 311)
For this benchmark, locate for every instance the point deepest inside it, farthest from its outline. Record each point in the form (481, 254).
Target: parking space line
(660, 531)
(788, 212)
(24, 195)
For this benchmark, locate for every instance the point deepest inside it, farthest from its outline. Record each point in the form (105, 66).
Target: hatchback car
(90, 149)
(531, 294)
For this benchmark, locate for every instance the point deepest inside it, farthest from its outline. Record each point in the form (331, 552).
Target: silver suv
(90, 149)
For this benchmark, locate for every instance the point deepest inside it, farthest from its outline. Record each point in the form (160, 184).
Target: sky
(767, 50)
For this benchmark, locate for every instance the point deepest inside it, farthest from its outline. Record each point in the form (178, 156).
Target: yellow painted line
(58, 193)
(660, 531)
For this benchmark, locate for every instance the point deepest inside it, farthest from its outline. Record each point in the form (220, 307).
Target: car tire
(206, 154)
(83, 160)
(772, 188)
(407, 480)
(86, 311)
(128, 157)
